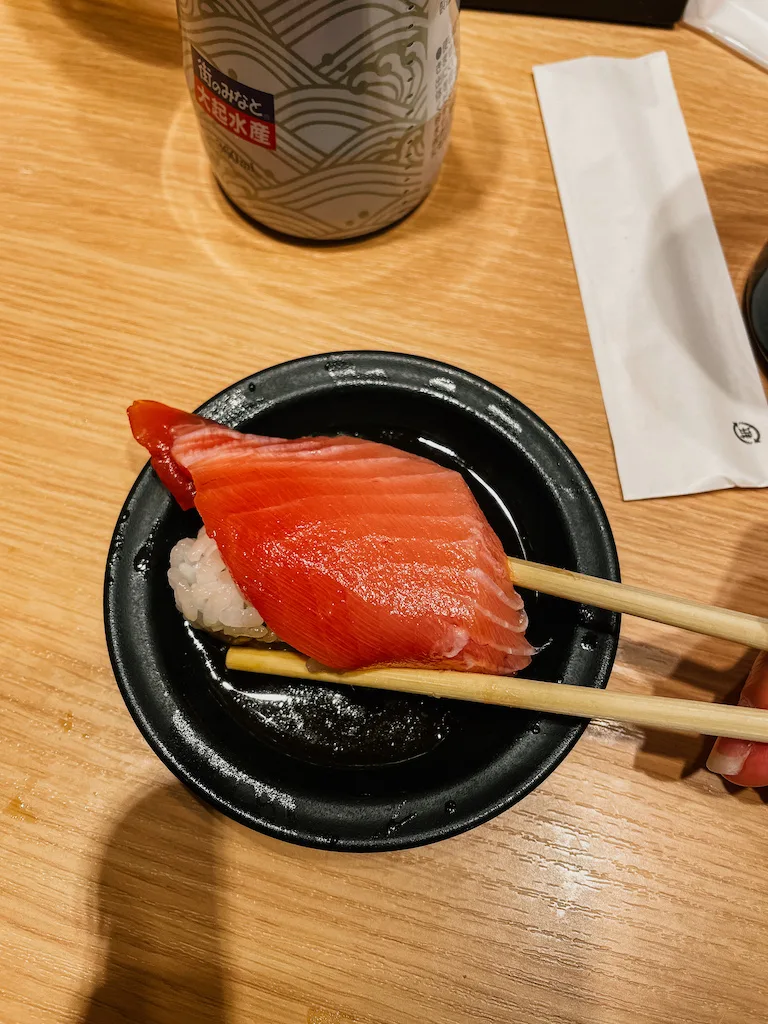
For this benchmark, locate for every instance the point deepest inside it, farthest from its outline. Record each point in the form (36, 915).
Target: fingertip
(727, 763)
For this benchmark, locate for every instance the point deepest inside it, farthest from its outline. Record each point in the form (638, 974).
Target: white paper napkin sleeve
(685, 403)
(740, 24)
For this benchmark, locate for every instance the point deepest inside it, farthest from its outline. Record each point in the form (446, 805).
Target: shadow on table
(744, 591)
(157, 914)
(145, 31)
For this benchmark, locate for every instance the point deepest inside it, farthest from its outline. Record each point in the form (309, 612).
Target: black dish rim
(601, 543)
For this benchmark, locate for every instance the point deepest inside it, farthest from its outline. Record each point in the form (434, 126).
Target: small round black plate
(756, 304)
(352, 769)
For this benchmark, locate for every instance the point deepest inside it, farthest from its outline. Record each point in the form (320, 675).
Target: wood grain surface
(630, 887)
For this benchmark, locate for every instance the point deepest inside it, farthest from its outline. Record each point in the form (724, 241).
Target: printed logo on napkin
(247, 113)
(746, 433)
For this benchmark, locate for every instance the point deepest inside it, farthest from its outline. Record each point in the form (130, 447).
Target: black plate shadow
(359, 770)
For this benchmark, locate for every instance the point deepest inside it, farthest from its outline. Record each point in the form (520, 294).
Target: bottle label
(442, 60)
(323, 121)
(247, 113)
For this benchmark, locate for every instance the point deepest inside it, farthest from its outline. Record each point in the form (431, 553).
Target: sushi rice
(208, 597)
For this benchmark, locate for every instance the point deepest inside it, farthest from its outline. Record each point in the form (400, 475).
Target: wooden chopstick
(668, 713)
(645, 604)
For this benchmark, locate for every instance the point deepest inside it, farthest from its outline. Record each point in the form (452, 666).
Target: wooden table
(630, 887)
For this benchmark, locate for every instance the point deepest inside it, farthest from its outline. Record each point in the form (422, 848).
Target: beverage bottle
(323, 119)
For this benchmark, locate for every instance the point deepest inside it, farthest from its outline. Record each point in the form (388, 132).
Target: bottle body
(323, 120)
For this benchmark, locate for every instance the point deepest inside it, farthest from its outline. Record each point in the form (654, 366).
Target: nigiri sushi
(353, 552)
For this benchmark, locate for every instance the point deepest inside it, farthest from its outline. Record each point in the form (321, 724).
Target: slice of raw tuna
(354, 552)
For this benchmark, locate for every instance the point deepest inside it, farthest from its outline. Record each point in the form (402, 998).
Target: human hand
(741, 762)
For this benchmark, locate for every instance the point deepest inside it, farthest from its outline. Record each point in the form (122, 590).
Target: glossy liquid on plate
(342, 727)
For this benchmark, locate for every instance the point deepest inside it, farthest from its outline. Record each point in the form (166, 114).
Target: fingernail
(730, 763)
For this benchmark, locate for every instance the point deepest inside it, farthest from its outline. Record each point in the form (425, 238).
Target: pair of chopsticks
(560, 698)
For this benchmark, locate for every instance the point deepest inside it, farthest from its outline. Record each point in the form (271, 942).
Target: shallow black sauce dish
(359, 770)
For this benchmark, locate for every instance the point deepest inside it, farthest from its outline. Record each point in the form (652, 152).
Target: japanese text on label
(247, 113)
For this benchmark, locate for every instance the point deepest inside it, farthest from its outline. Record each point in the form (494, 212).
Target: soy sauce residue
(142, 561)
(341, 727)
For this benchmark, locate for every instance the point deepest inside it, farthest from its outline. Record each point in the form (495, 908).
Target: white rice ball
(207, 596)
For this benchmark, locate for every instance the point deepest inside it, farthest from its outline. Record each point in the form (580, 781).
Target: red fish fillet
(354, 553)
